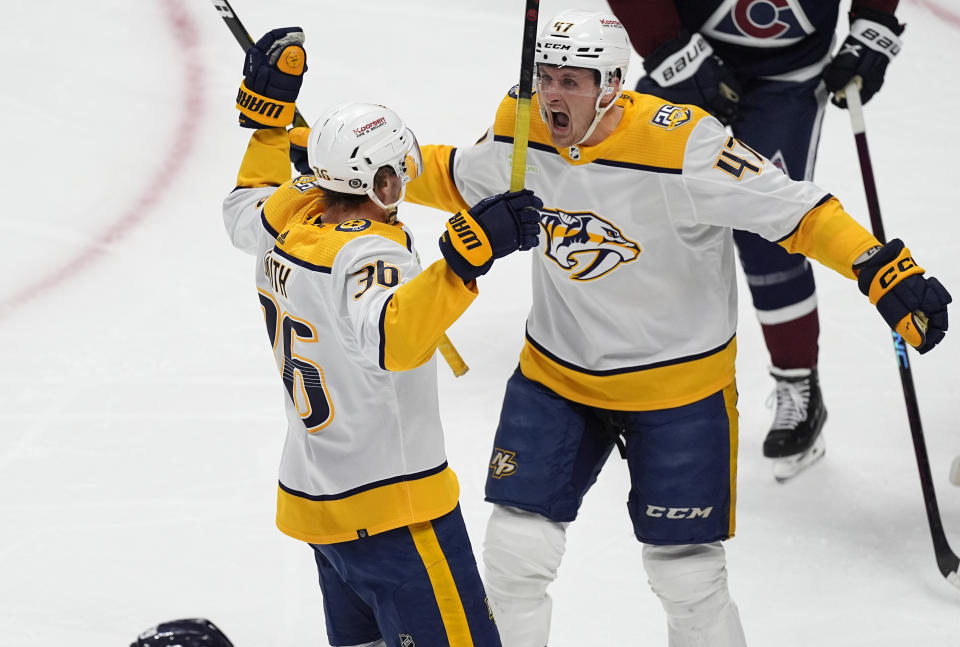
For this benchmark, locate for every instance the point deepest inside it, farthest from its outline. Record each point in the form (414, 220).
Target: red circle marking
(185, 32)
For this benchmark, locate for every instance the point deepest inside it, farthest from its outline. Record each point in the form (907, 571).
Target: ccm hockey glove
(914, 306)
(873, 42)
(272, 74)
(491, 229)
(685, 70)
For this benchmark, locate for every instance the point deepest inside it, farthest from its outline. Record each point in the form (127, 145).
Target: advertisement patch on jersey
(671, 117)
(353, 225)
(586, 244)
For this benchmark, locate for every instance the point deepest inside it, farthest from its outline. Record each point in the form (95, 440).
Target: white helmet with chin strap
(588, 39)
(351, 142)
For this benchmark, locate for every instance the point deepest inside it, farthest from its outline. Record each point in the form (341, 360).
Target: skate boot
(794, 440)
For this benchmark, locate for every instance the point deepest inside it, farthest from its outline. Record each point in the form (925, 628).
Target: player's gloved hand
(491, 229)
(298, 149)
(873, 42)
(685, 70)
(914, 306)
(272, 74)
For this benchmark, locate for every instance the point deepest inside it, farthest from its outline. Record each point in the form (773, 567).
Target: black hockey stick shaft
(521, 128)
(243, 38)
(947, 560)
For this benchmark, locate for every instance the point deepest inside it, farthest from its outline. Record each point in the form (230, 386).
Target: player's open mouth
(559, 120)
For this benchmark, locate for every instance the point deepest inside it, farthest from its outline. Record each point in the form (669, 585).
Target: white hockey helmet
(349, 143)
(593, 40)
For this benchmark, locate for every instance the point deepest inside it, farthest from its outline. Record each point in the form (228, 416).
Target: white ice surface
(140, 415)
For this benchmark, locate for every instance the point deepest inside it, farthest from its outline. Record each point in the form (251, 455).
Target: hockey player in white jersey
(354, 325)
(631, 336)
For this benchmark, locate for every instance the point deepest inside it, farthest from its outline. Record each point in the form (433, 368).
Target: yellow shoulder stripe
(652, 133)
(318, 244)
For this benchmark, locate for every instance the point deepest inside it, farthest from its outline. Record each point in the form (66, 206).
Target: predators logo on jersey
(501, 464)
(585, 243)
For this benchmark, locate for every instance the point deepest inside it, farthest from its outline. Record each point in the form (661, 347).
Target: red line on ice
(185, 33)
(940, 12)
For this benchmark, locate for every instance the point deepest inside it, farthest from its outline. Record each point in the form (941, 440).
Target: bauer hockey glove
(491, 229)
(685, 70)
(272, 74)
(914, 306)
(873, 42)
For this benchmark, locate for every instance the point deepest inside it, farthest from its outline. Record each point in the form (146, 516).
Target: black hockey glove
(914, 306)
(873, 42)
(685, 70)
(491, 229)
(272, 74)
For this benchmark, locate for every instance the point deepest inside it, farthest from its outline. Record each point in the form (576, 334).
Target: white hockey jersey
(634, 292)
(354, 324)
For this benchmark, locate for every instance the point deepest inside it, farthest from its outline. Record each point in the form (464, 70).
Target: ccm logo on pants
(678, 513)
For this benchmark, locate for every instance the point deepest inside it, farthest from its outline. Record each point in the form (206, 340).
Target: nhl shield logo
(406, 640)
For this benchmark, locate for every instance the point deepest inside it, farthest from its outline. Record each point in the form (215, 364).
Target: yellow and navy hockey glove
(914, 306)
(491, 229)
(272, 75)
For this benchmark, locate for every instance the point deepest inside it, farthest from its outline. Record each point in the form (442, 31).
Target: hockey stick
(947, 560)
(521, 127)
(445, 346)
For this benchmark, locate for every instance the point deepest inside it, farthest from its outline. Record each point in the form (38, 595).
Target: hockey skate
(794, 440)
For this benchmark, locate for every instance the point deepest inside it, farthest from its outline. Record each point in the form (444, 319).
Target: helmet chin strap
(390, 208)
(600, 112)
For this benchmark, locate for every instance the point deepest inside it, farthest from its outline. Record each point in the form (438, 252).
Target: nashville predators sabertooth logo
(585, 243)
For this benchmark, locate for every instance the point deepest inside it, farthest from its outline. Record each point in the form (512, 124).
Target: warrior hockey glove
(491, 229)
(272, 75)
(873, 42)
(914, 306)
(685, 70)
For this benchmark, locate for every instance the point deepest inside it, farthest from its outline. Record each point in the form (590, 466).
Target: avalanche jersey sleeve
(730, 184)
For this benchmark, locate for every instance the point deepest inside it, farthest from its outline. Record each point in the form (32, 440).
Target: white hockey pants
(691, 582)
(521, 554)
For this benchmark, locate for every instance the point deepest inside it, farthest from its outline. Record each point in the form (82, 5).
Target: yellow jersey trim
(730, 402)
(831, 236)
(444, 587)
(369, 512)
(266, 161)
(658, 386)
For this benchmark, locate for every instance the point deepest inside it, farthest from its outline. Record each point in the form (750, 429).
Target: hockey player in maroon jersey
(764, 68)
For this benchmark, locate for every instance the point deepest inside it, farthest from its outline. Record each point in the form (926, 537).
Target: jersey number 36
(302, 378)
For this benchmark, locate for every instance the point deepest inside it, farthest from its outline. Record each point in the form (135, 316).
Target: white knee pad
(691, 582)
(521, 554)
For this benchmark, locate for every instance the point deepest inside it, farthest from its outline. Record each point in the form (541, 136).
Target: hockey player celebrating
(765, 69)
(354, 325)
(631, 336)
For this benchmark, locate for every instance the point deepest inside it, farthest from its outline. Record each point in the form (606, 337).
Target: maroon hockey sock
(793, 344)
